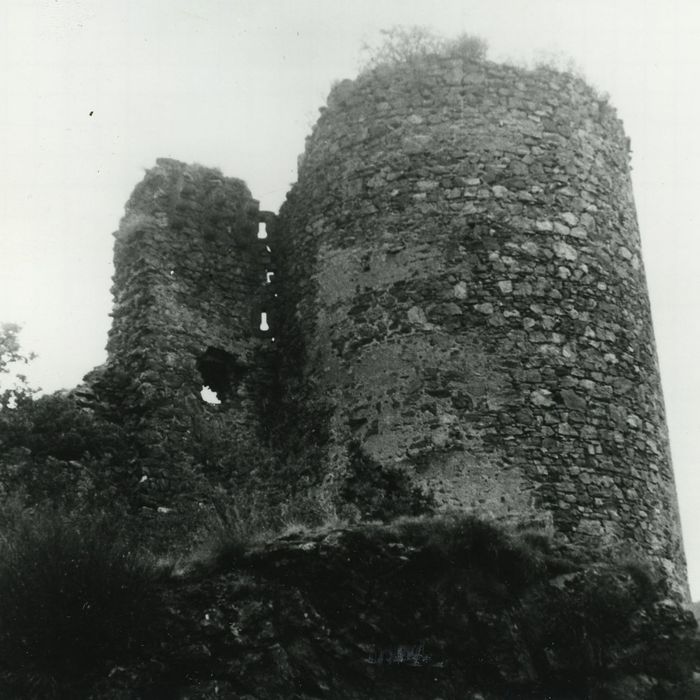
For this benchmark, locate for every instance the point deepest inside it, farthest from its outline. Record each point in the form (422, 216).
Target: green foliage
(310, 507)
(547, 63)
(236, 524)
(74, 602)
(591, 617)
(9, 346)
(498, 562)
(581, 612)
(55, 426)
(54, 451)
(402, 45)
(505, 561)
(248, 517)
(14, 386)
(556, 61)
(466, 46)
(412, 45)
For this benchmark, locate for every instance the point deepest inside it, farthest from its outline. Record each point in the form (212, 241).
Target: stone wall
(188, 293)
(458, 315)
(463, 302)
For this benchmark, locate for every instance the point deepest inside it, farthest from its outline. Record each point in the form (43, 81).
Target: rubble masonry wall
(463, 290)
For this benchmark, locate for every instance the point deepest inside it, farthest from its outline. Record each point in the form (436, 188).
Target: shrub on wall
(412, 45)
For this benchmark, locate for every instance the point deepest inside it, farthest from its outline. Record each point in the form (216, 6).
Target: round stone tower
(464, 303)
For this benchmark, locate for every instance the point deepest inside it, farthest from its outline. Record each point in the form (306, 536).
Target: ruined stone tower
(462, 280)
(188, 293)
(460, 312)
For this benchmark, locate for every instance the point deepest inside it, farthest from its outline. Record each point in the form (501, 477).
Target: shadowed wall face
(464, 294)
(189, 270)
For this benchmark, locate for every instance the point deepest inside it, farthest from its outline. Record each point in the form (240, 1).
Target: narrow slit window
(263, 322)
(262, 230)
(269, 276)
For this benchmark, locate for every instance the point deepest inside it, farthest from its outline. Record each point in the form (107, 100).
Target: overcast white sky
(93, 91)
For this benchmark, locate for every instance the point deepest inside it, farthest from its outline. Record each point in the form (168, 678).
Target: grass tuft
(75, 600)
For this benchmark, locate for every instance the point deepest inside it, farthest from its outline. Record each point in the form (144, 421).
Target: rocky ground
(447, 607)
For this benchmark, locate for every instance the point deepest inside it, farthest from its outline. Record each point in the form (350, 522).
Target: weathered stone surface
(461, 325)
(517, 183)
(573, 400)
(189, 288)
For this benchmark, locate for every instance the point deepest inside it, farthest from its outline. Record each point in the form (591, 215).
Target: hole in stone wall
(209, 396)
(221, 374)
(262, 230)
(263, 322)
(269, 276)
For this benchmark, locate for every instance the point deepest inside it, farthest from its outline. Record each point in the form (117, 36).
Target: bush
(412, 45)
(472, 48)
(596, 618)
(500, 562)
(14, 386)
(251, 516)
(75, 600)
(234, 525)
(52, 451)
(55, 426)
